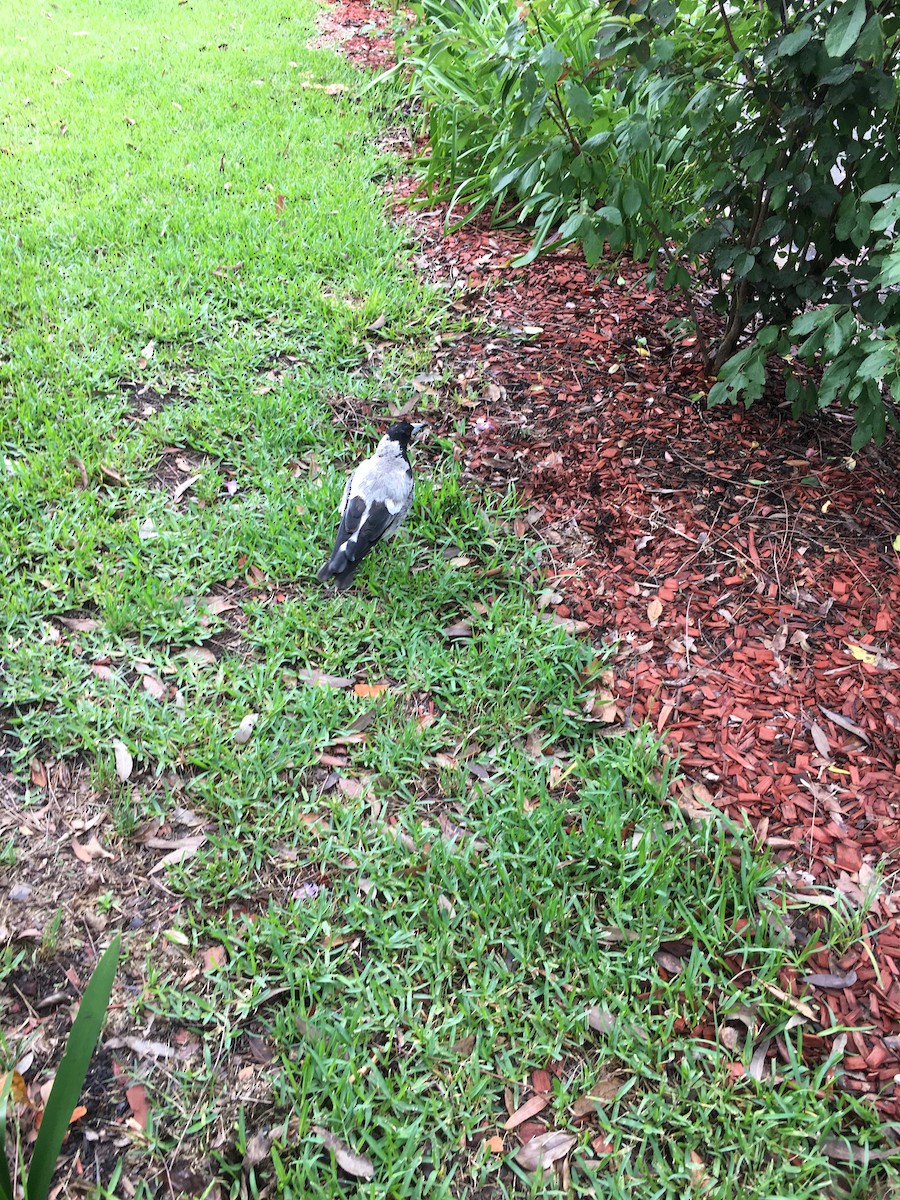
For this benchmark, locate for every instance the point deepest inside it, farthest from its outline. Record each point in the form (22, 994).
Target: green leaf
(844, 29)
(876, 363)
(791, 43)
(610, 213)
(886, 216)
(743, 264)
(72, 1070)
(550, 60)
(6, 1187)
(579, 101)
(875, 195)
(631, 199)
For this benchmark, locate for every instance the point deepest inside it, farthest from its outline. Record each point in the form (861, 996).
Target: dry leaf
(38, 773)
(654, 610)
(137, 1102)
(218, 604)
(244, 731)
(862, 654)
(820, 737)
(319, 679)
(348, 1160)
(140, 1047)
(124, 761)
(200, 654)
(825, 979)
(841, 1150)
(844, 723)
(185, 849)
(526, 1111)
(351, 788)
(494, 1144)
(461, 631)
(87, 853)
(213, 958)
(370, 689)
(257, 1150)
(545, 1149)
(79, 624)
(464, 1046)
(600, 1020)
(18, 1089)
(154, 686)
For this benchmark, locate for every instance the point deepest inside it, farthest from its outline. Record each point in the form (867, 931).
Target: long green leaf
(6, 1188)
(72, 1070)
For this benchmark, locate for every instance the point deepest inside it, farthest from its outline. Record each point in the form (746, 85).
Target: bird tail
(339, 570)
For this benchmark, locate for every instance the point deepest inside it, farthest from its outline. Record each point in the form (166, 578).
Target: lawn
(427, 926)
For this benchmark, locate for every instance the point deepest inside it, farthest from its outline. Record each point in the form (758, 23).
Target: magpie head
(402, 432)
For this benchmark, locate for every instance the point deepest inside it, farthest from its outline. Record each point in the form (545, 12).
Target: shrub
(751, 154)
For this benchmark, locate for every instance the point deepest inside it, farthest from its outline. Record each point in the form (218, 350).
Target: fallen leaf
(259, 1050)
(526, 1111)
(153, 686)
(257, 1150)
(464, 1046)
(185, 849)
(18, 1089)
(79, 624)
(370, 689)
(461, 631)
(351, 788)
(600, 1020)
(137, 1102)
(545, 1149)
(244, 731)
(87, 853)
(844, 723)
(199, 654)
(218, 604)
(494, 1144)
(213, 958)
(38, 773)
(824, 979)
(124, 761)
(841, 1150)
(320, 679)
(141, 1047)
(654, 610)
(601, 1093)
(348, 1160)
(184, 486)
(147, 530)
(820, 737)
(111, 474)
(861, 654)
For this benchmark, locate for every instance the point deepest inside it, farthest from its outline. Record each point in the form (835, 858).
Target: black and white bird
(376, 500)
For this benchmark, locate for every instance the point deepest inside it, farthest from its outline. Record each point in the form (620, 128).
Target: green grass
(364, 942)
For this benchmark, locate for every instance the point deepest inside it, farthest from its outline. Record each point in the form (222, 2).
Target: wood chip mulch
(740, 564)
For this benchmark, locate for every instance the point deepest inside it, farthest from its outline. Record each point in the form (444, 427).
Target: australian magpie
(377, 497)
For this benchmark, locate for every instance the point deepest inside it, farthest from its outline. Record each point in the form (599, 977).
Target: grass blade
(72, 1070)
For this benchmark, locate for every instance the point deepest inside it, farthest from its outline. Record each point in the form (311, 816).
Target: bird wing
(376, 499)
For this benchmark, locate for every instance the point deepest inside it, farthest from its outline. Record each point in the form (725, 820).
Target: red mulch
(740, 562)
